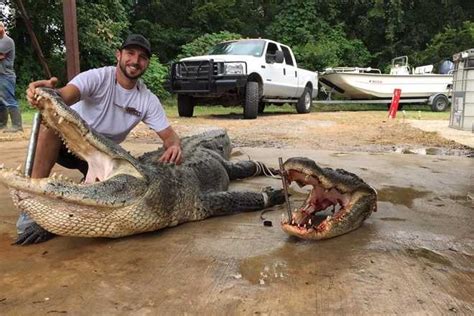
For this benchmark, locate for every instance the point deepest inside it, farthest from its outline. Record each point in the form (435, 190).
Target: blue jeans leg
(7, 91)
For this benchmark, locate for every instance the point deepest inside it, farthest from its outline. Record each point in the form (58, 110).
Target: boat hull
(381, 86)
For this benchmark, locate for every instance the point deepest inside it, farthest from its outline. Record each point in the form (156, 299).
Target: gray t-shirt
(7, 47)
(112, 110)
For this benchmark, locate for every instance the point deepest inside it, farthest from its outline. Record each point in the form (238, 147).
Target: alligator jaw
(350, 199)
(106, 160)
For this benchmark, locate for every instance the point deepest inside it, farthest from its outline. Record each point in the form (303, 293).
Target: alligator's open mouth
(349, 199)
(106, 160)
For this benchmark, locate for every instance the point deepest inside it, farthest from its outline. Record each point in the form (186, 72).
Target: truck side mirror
(279, 56)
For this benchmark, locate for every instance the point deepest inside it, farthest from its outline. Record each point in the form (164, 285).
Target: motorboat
(369, 83)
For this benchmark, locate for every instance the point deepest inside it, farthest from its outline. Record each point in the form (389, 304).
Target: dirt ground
(414, 256)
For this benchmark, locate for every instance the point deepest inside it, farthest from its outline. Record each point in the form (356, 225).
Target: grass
(418, 111)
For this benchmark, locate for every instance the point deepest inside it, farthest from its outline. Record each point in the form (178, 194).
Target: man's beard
(123, 68)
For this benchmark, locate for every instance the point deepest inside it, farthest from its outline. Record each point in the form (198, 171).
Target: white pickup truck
(248, 72)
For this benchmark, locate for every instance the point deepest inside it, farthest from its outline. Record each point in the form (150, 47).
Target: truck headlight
(234, 69)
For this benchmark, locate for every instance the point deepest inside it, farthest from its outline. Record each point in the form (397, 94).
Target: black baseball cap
(137, 40)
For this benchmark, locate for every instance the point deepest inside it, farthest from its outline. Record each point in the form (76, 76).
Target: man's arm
(69, 93)
(172, 143)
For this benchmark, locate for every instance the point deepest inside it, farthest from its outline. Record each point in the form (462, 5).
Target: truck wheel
(305, 101)
(252, 98)
(186, 105)
(440, 103)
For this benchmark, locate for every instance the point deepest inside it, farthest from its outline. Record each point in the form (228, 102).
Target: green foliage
(155, 77)
(331, 51)
(202, 44)
(446, 43)
(322, 32)
(101, 26)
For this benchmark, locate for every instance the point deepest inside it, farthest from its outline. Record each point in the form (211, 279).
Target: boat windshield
(245, 47)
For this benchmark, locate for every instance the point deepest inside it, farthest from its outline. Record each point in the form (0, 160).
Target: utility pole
(71, 38)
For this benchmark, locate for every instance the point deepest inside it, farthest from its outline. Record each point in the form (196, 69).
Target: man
(112, 101)
(8, 102)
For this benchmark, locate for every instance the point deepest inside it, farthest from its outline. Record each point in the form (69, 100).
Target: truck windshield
(253, 48)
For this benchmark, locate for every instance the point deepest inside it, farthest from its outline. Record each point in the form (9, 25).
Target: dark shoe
(33, 234)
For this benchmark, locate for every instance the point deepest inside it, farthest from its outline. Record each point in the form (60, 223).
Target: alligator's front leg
(245, 169)
(223, 203)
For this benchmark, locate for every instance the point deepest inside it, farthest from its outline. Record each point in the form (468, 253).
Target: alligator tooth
(292, 222)
(61, 119)
(2, 166)
(309, 222)
(328, 218)
(53, 175)
(18, 168)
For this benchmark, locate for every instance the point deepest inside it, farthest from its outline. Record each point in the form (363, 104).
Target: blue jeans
(7, 91)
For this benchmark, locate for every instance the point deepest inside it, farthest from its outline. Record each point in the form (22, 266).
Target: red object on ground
(392, 112)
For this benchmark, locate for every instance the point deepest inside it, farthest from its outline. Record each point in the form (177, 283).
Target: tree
(99, 35)
(445, 44)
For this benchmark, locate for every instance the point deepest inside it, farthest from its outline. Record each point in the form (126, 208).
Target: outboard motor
(446, 67)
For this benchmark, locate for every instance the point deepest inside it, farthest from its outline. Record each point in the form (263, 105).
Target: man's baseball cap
(137, 40)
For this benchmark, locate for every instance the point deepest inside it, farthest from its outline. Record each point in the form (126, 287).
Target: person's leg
(3, 116)
(12, 104)
(47, 149)
(46, 155)
(3, 106)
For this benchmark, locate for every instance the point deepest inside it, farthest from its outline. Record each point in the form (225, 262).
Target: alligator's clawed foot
(347, 195)
(33, 234)
(275, 197)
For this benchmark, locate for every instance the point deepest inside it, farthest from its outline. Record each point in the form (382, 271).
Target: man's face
(2, 30)
(133, 61)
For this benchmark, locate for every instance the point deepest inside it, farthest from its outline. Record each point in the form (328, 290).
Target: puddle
(399, 195)
(430, 255)
(465, 200)
(262, 273)
(339, 154)
(393, 219)
(434, 151)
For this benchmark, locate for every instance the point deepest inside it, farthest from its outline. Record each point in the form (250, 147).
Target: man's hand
(172, 143)
(2, 56)
(30, 92)
(173, 155)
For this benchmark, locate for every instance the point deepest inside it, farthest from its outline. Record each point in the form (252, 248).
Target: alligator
(349, 198)
(123, 195)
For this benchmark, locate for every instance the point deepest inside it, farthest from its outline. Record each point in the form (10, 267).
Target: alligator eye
(71, 215)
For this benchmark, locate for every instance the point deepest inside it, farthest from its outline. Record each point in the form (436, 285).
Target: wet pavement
(415, 255)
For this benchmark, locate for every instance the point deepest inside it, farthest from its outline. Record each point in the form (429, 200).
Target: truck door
(273, 73)
(290, 72)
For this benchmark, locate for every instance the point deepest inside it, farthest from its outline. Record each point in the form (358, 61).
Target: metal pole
(30, 156)
(285, 187)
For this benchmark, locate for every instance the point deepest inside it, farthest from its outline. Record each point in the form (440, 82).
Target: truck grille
(196, 69)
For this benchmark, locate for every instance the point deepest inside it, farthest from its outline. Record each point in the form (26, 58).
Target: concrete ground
(414, 256)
